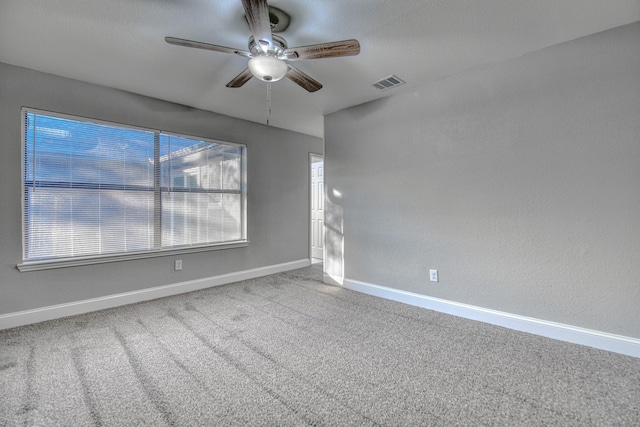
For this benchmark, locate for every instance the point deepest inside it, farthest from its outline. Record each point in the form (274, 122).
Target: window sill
(74, 262)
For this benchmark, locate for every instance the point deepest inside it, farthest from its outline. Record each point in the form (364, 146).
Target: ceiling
(120, 44)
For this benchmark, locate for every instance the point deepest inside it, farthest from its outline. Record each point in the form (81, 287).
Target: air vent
(388, 82)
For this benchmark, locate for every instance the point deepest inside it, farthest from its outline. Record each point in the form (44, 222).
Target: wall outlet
(433, 275)
(178, 265)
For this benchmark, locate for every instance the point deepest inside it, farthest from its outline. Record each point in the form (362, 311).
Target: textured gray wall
(278, 183)
(519, 182)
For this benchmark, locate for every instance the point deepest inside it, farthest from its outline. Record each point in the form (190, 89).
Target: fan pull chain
(268, 102)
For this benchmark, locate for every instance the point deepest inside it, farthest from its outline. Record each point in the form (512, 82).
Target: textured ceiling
(120, 44)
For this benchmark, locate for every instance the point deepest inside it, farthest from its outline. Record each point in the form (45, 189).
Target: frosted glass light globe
(267, 68)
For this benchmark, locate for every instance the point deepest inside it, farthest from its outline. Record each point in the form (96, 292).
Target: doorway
(317, 208)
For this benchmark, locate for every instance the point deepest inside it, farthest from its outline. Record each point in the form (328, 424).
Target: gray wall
(278, 203)
(519, 182)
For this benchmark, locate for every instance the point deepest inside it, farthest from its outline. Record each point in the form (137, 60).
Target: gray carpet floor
(288, 350)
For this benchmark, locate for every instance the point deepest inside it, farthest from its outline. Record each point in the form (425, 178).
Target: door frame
(314, 157)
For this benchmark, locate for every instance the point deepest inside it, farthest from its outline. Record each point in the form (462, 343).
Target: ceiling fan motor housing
(257, 49)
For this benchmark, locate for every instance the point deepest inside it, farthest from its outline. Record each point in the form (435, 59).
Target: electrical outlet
(178, 265)
(433, 275)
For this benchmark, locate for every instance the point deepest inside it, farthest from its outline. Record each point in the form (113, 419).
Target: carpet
(288, 350)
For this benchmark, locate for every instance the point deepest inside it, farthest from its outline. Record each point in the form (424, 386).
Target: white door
(317, 208)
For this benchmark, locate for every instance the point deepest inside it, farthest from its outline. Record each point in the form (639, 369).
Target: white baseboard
(573, 334)
(21, 318)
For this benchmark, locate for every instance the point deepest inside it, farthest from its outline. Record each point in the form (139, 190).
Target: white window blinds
(94, 189)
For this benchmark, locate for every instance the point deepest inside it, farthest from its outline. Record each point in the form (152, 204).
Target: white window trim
(102, 259)
(47, 264)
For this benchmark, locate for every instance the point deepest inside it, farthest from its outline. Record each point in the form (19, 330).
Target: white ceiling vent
(388, 82)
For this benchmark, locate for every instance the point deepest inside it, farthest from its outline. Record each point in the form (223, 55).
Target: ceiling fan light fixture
(268, 52)
(268, 68)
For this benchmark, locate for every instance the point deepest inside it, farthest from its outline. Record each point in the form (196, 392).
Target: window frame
(44, 264)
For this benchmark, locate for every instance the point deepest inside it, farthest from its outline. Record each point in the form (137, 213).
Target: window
(93, 189)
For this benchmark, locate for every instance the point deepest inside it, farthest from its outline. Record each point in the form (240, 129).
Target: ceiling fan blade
(302, 79)
(200, 45)
(257, 12)
(240, 79)
(323, 50)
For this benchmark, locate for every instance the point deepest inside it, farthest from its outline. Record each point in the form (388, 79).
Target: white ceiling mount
(279, 19)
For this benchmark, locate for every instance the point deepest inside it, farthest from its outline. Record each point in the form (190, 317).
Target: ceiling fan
(269, 54)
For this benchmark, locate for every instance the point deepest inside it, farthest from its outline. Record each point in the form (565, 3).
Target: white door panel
(317, 209)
